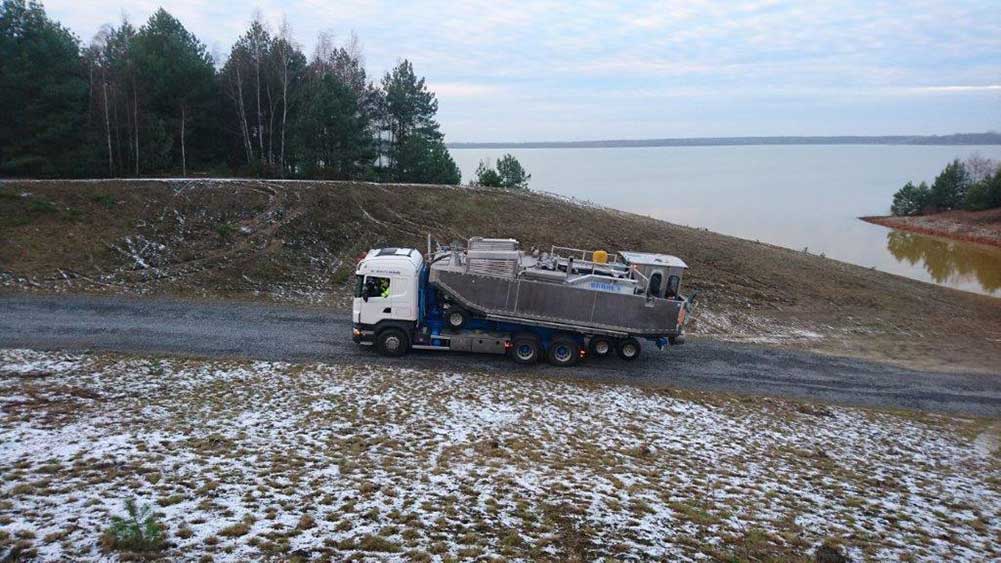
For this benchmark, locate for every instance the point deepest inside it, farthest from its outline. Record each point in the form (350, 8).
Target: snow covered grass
(247, 460)
(739, 326)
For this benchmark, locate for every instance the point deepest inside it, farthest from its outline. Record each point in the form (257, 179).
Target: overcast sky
(546, 70)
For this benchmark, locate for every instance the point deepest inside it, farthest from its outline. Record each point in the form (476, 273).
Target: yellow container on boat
(600, 257)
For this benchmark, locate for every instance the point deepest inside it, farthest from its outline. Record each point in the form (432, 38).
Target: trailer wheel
(601, 347)
(457, 318)
(563, 351)
(628, 349)
(525, 349)
(392, 342)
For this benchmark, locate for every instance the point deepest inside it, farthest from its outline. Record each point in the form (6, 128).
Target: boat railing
(583, 260)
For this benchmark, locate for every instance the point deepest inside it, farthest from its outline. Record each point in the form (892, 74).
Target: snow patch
(25, 362)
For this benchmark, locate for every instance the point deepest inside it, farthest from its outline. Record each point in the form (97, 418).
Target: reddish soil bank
(982, 227)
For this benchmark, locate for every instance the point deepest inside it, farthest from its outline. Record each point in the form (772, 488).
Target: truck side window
(655, 280)
(377, 287)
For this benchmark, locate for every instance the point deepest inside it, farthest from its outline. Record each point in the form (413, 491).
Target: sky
(579, 70)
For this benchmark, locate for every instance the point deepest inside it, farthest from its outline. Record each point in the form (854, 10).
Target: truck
(487, 295)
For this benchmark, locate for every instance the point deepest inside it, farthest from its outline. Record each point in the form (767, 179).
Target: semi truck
(487, 295)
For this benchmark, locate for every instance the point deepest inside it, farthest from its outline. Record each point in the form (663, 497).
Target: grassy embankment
(981, 227)
(252, 460)
(299, 241)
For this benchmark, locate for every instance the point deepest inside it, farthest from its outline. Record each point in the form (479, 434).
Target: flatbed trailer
(490, 297)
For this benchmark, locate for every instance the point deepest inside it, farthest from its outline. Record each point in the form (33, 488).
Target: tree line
(973, 184)
(151, 100)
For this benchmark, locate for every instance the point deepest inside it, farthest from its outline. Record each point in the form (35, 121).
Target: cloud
(593, 69)
(956, 89)
(464, 89)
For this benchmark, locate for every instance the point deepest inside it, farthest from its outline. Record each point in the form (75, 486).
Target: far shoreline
(978, 227)
(955, 139)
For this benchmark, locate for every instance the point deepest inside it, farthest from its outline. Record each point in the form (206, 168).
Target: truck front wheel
(525, 349)
(457, 318)
(628, 349)
(564, 352)
(392, 342)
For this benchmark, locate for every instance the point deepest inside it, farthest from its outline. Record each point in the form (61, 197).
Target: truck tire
(564, 351)
(456, 318)
(525, 349)
(601, 347)
(628, 349)
(392, 342)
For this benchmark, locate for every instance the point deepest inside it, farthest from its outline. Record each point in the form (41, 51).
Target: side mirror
(364, 293)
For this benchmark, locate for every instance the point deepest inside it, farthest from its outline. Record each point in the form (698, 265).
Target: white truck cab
(386, 287)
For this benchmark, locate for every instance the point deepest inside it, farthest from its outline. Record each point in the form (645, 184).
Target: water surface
(797, 196)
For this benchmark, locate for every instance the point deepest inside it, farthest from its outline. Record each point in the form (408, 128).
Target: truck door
(404, 298)
(377, 299)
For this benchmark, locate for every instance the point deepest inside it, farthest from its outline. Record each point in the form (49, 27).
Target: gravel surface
(273, 332)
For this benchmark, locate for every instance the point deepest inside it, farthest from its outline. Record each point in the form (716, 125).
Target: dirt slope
(299, 241)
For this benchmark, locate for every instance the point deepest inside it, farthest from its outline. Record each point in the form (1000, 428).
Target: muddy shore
(980, 227)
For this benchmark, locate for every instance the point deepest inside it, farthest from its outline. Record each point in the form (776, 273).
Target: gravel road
(276, 332)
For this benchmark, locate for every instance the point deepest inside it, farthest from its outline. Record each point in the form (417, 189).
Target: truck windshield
(359, 285)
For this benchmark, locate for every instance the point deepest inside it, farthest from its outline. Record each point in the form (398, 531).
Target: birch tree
(290, 64)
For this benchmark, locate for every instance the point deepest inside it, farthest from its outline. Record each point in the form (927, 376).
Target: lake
(797, 196)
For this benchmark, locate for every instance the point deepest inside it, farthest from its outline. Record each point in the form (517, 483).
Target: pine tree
(333, 135)
(486, 175)
(417, 150)
(949, 189)
(512, 175)
(178, 77)
(43, 95)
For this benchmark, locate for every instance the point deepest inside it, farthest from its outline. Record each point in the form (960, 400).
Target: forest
(150, 100)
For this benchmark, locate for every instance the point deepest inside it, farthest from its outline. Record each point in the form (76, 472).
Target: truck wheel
(457, 318)
(628, 349)
(525, 349)
(392, 342)
(601, 347)
(563, 351)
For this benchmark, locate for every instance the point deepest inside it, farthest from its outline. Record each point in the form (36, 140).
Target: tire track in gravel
(293, 333)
